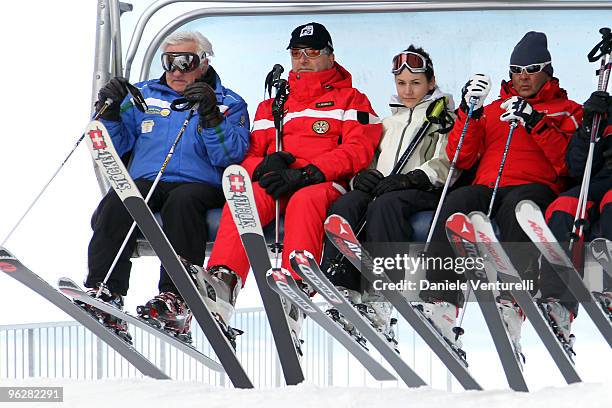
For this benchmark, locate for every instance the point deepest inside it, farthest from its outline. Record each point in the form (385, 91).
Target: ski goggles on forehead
(183, 61)
(530, 69)
(308, 52)
(416, 63)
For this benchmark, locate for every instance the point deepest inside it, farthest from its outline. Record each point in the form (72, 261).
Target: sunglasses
(308, 52)
(530, 69)
(183, 61)
(416, 63)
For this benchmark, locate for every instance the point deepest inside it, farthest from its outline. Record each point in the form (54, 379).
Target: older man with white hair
(217, 136)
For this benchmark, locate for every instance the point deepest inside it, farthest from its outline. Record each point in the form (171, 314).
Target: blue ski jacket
(202, 153)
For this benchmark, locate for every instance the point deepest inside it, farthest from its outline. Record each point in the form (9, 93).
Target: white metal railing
(67, 350)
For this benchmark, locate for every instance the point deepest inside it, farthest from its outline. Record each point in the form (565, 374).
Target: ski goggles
(416, 63)
(308, 52)
(183, 61)
(530, 69)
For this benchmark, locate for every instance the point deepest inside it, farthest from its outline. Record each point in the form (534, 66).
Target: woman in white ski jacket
(385, 198)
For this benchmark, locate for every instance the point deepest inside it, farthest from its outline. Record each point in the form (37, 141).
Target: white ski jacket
(401, 127)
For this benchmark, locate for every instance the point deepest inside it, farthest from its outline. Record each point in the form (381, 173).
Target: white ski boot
(560, 319)
(443, 316)
(219, 287)
(513, 317)
(295, 318)
(378, 311)
(169, 312)
(605, 301)
(355, 298)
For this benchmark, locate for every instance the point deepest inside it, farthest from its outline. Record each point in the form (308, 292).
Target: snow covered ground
(151, 394)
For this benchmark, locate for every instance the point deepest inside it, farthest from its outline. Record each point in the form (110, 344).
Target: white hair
(203, 45)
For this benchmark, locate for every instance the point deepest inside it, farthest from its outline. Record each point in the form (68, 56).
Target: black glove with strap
(366, 180)
(273, 162)
(116, 89)
(598, 102)
(284, 182)
(414, 179)
(201, 93)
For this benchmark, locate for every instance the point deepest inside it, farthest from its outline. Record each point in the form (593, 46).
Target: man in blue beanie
(535, 168)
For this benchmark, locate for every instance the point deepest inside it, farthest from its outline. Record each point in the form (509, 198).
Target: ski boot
(513, 317)
(219, 287)
(378, 312)
(605, 301)
(560, 320)
(169, 312)
(295, 317)
(354, 298)
(442, 316)
(118, 326)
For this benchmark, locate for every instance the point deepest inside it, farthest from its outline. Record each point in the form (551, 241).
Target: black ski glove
(116, 89)
(273, 162)
(414, 179)
(284, 182)
(201, 93)
(366, 180)
(598, 102)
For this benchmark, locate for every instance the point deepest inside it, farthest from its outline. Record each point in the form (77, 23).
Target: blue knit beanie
(532, 49)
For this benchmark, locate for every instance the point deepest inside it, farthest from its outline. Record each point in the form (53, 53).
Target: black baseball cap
(311, 35)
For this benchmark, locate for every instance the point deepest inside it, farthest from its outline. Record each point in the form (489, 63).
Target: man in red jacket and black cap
(535, 167)
(330, 133)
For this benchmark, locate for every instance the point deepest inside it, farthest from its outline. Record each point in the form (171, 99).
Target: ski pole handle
(451, 171)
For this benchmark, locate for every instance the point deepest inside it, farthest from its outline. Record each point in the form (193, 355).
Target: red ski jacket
(327, 123)
(536, 157)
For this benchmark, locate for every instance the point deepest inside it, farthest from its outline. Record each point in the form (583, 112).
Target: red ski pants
(305, 211)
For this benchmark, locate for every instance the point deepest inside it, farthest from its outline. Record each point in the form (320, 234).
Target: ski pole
(605, 48)
(192, 110)
(107, 103)
(451, 171)
(513, 125)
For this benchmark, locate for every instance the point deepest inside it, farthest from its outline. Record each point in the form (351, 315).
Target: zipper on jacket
(399, 146)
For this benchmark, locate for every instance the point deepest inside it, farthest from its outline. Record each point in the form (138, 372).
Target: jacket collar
(397, 106)
(549, 91)
(309, 85)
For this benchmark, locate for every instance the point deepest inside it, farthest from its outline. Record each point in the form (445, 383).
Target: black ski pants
(182, 207)
(477, 198)
(387, 220)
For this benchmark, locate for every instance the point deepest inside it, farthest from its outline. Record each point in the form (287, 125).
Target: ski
(70, 288)
(238, 191)
(106, 158)
(281, 281)
(495, 258)
(340, 233)
(16, 270)
(532, 221)
(460, 233)
(306, 266)
(601, 249)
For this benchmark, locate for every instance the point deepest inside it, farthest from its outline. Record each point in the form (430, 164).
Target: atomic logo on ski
(97, 139)
(542, 238)
(7, 267)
